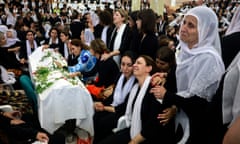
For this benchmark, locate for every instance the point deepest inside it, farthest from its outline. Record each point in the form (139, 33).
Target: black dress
(230, 47)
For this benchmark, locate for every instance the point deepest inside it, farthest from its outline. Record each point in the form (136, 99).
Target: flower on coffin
(51, 69)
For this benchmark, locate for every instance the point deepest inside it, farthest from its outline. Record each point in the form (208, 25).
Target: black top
(125, 40)
(230, 47)
(107, 72)
(152, 130)
(148, 45)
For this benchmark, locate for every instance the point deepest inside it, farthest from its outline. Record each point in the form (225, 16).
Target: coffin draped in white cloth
(65, 98)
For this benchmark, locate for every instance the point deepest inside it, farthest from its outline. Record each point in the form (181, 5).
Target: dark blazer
(125, 41)
(230, 47)
(76, 27)
(148, 45)
(23, 50)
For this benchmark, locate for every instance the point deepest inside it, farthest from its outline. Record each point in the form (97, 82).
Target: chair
(181, 119)
(6, 108)
(122, 124)
(8, 78)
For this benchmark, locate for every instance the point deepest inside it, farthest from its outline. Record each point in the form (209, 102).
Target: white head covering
(235, 23)
(3, 28)
(231, 92)
(11, 41)
(199, 69)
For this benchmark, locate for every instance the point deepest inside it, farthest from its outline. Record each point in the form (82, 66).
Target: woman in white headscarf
(230, 46)
(199, 71)
(231, 92)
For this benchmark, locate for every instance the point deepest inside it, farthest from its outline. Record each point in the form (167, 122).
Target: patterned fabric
(86, 62)
(17, 99)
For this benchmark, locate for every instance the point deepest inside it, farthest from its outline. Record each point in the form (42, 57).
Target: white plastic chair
(122, 124)
(181, 119)
(8, 78)
(6, 108)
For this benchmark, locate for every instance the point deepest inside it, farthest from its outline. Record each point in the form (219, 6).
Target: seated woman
(109, 111)
(166, 63)
(20, 130)
(107, 70)
(142, 110)
(53, 41)
(8, 49)
(81, 61)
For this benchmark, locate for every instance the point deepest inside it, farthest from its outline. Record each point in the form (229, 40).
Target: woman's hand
(158, 91)
(45, 46)
(13, 114)
(105, 56)
(42, 137)
(158, 79)
(16, 122)
(167, 114)
(74, 74)
(99, 106)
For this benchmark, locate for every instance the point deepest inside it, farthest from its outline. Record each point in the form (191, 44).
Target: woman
(108, 112)
(229, 42)
(8, 49)
(107, 70)
(106, 22)
(87, 33)
(198, 72)
(231, 93)
(119, 42)
(28, 47)
(142, 110)
(146, 24)
(53, 40)
(166, 63)
(64, 46)
(81, 59)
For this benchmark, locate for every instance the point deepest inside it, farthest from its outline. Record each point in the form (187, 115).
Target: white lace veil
(235, 23)
(194, 75)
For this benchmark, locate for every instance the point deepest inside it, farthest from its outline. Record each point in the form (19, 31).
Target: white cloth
(88, 36)
(11, 41)
(62, 100)
(121, 90)
(118, 41)
(66, 51)
(3, 28)
(104, 34)
(133, 114)
(29, 51)
(231, 92)
(51, 41)
(235, 23)
(199, 69)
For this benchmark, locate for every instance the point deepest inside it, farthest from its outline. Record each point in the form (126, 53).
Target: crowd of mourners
(170, 78)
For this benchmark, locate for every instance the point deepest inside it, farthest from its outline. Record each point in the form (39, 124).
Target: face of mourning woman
(76, 50)
(140, 67)
(63, 37)
(117, 18)
(188, 31)
(126, 66)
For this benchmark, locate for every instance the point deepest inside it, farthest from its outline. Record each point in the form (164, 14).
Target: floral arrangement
(51, 67)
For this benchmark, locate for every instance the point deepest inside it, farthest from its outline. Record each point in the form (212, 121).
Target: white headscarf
(199, 69)
(235, 23)
(13, 40)
(231, 92)
(3, 28)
